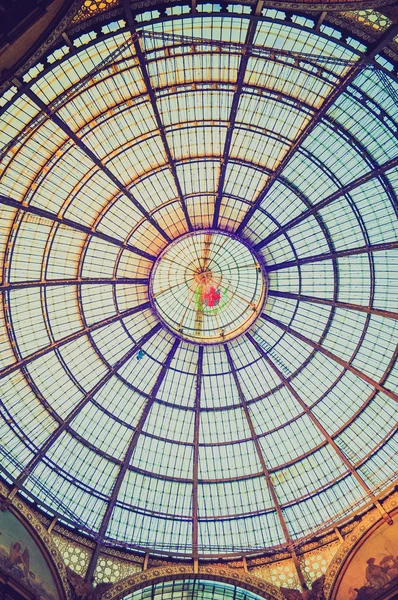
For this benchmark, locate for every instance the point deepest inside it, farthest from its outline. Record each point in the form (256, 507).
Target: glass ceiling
(192, 589)
(258, 128)
(207, 287)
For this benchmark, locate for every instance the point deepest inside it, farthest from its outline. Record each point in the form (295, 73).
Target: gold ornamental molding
(350, 544)
(312, 5)
(41, 536)
(327, 5)
(209, 573)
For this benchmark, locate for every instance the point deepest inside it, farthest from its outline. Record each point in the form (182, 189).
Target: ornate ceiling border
(172, 573)
(41, 536)
(350, 545)
(326, 5)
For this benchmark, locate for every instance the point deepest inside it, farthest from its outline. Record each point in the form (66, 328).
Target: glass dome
(204, 428)
(192, 589)
(207, 287)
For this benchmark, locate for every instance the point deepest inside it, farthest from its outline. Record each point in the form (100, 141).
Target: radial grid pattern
(207, 287)
(258, 131)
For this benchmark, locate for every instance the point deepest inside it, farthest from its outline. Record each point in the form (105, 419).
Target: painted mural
(374, 568)
(21, 559)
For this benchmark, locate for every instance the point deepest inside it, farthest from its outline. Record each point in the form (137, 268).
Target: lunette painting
(21, 559)
(373, 570)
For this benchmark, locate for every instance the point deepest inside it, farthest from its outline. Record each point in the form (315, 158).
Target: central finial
(203, 277)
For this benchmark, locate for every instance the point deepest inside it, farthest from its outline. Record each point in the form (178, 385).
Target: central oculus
(208, 287)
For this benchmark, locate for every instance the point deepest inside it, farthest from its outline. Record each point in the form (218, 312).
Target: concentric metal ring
(208, 287)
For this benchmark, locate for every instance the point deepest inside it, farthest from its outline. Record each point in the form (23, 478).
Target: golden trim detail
(211, 573)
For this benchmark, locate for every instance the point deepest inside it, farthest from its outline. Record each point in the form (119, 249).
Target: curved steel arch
(181, 572)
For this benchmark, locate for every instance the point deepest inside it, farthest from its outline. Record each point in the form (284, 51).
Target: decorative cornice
(326, 5)
(98, 18)
(351, 542)
(363, 33)
(42, 536)
(213, 573)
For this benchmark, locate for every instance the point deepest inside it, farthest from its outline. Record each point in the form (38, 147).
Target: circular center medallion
(208, 287)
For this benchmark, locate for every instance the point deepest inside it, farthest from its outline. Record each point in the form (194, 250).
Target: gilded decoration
(351, 542)
(315, 593)
(126, 556)
(212, 573)
(280, 573)
(91, 8)
(70, 535)
(329, 5)
(75, 555)
(83, 590)
(262, 560)
(366, 34)
(113, 564)
(313, 545)
(369, 18)
(43, 536)
(111, 569)
(314, 564)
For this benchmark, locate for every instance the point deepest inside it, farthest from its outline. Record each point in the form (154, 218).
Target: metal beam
(242, 440)
(264, 468)
(46, 214)
(320, 428)
(320, 20)
(80, 405)
(195, 476)
(259, 7)
(387, 37)
(332, 356)
(152, 97)
(333, 255)
(93, 157)
(362, 150)
(126, 461)
(70, 338)
(328, 103)
(176, 41)
(17, 285)
(328, 200)
(346, 305)
(166, 90)
(232, 117)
